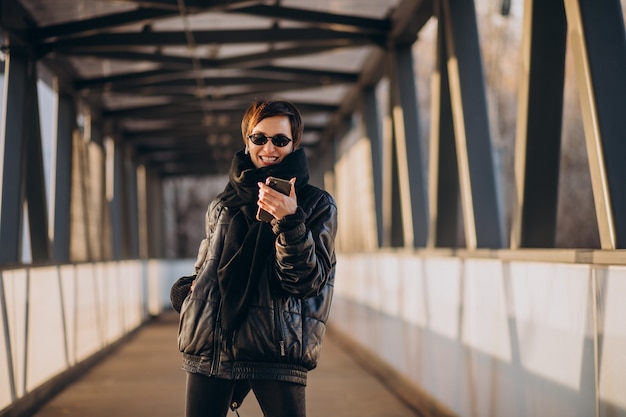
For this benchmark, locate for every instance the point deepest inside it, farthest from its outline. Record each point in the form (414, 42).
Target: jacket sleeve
(305, 248)
(209, 226)
(202, 252)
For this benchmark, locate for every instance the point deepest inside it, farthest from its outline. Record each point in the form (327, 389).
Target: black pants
(211, 397)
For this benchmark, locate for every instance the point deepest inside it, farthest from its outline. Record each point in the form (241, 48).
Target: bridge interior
(475, 149)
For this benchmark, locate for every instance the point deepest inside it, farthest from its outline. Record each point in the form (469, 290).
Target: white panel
(370, 282)
(485, 321)
(154, 286)
(550, 304)
(68, 291)
(412, 296)
(71, 307)
(5, 382)
(357, 277)
(343, 277)
(88, 332)
(102, 303)
(443, 281)
(389, 268)
(613, 347)
(113, 319)
(125, 281)
(16, 295)
(46, 336)
(134, 306)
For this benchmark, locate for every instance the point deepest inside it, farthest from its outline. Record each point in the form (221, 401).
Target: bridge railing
(488, 332)
(56, 320)
(493, 332)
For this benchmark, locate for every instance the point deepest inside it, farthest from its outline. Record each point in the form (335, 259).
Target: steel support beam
(444, 175)
(35, 177)
(539, 120)
(396, 230)
(22, 164)
(13, 163)
(130, 174)
(392, 219)
(371, 118)
(405, 113)
(481, 213)
(117, 205)
(598, 42)
(62, 195)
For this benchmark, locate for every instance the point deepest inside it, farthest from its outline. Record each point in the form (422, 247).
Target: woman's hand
(276, 203)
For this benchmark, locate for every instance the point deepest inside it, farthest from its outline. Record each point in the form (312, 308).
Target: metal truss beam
(178, 38)
(444, 174)
(473, 138)
(371, 118)
(62, 196)
(118, 206)
(290, 13)
(35, 177)
(13, 148)
(409, 159)
(539, 121)
(22, 164)
(596, 34)
(132, 203)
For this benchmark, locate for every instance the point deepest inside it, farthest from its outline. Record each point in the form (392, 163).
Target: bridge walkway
(142, 377)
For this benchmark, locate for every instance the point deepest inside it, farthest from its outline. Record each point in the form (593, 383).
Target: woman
(254, 313)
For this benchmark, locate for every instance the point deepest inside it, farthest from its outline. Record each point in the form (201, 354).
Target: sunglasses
(261, 139)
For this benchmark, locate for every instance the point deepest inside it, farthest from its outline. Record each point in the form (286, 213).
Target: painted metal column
(444, 175)
(35, 177)
(117, 206)
(409, 157)
(393, 218)
(62, 195)
(23, 173)
(13, 163)
(479, 201)
(371, 119)
(130, 171)
(539, 121)
(596, 34)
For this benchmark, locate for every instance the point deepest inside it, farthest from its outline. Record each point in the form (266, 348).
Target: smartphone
(279, 185)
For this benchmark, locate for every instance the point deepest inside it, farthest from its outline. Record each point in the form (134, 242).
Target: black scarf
(249, 243)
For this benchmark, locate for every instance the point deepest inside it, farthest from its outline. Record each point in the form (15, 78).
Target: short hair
(263, 108)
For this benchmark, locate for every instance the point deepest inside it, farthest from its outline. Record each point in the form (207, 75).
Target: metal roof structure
(171, 78)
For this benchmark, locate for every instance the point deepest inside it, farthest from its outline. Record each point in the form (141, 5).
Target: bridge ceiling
(172, 77)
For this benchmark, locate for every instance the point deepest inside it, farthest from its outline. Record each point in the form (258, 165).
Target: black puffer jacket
(281, 335)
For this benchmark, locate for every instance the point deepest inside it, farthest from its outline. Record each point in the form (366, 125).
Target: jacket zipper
(279, 329)
(217, 338)
(216, 342)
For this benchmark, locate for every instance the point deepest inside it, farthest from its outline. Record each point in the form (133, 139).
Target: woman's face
(268, 153)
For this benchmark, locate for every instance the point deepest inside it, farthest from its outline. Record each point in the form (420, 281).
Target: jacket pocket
(196, 329)
(279, 326)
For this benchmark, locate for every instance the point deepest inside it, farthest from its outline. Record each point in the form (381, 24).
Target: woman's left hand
(276, 203)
